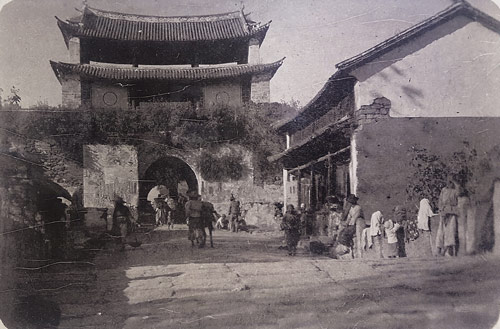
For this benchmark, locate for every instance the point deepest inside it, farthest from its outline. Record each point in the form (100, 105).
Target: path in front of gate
(247, 282)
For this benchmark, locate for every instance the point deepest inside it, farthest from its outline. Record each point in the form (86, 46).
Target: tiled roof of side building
(183, 74)
(461, 7)
(96, 23)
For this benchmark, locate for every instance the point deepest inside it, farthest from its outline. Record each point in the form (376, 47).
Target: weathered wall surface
(256, 201)
(108, 96)
(384, 153)
(71, 91)
(261, 88)
(447, 72)
(222, 94)
(110, 171)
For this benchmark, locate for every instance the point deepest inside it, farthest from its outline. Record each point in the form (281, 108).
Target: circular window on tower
(109, 98)
(222, 98)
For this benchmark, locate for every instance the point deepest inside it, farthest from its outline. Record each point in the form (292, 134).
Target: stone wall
(379, 109)
(256, 201)
(261, 88)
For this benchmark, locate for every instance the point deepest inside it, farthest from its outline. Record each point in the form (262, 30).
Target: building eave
(288, 124)
(344, 121)
(94, 71)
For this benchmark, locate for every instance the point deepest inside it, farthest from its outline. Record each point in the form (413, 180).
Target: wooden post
(312, 198)
(329, 176)
(299, 188)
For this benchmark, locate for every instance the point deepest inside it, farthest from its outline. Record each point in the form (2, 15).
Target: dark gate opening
(176, 176)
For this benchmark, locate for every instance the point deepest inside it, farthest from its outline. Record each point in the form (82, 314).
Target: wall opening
(168, 176)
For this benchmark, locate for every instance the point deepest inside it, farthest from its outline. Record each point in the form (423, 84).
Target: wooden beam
(321, 159)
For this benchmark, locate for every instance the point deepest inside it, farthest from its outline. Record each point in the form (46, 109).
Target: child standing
(392, 239)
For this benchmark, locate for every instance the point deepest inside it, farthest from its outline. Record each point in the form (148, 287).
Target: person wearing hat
(121, 221)
(356, 221)
(234, 214)
(193, 211)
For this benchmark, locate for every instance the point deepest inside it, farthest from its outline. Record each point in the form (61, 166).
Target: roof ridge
(159, 18)
(457, 7)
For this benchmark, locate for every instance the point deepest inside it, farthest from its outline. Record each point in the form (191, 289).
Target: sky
(314, 35)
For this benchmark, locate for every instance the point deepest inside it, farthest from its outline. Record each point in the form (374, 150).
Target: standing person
(322, 216)
(392, 239)
(179, 213)
(121, 221)
(160, 211)
(400, 217)
(448, 211)
(424, 216)
(306, 220)
(334, 219)
(291, 226)
(171, 206)
(234, 214)
(209, 216)
(463, 209)
(355, 218)
(193, 210)
(377, 231)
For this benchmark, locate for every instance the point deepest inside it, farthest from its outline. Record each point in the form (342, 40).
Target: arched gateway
(173, 174)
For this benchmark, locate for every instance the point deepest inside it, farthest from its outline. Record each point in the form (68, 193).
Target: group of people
(350, 232)
(164, 208)
(198, 214)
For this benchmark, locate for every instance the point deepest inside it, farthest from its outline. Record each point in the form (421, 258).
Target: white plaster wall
(452, 70)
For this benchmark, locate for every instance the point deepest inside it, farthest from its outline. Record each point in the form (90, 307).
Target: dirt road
(247, 282)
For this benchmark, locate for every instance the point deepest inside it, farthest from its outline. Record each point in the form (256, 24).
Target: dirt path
(247, 282)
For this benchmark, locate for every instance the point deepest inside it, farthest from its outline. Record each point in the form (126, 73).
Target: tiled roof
(461, 7)
(141, 73)
(117, 26)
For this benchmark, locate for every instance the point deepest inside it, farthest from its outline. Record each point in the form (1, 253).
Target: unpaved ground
(247, 282)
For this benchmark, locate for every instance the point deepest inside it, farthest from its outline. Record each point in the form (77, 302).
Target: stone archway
(170, 171)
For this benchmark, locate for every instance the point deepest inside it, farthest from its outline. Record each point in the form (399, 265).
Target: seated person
(222, 223)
